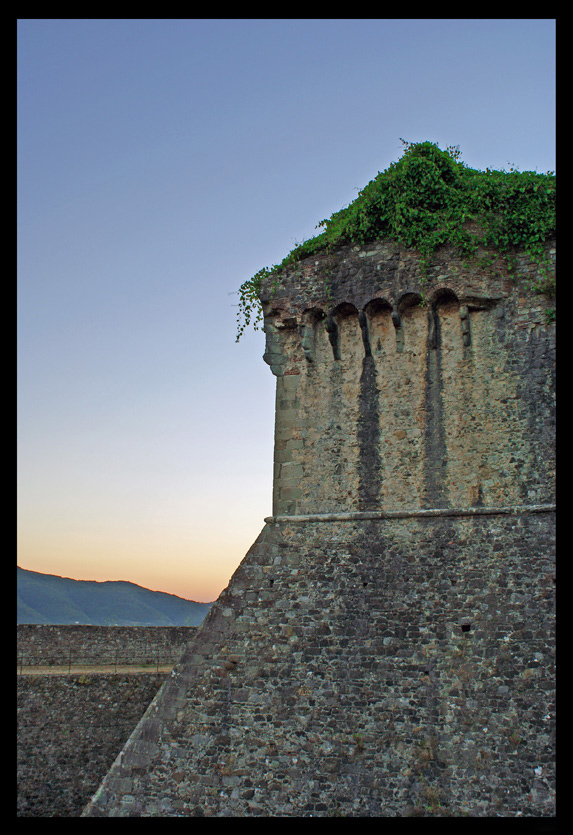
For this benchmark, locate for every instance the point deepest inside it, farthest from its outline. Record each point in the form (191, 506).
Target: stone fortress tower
(386, 647)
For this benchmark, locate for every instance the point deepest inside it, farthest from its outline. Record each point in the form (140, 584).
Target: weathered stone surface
(70, 730)
(445, 404)
(386, 647)
(43, 644)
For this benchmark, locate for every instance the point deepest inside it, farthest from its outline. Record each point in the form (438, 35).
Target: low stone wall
(70, 730)
(72, 727)
(40, 644)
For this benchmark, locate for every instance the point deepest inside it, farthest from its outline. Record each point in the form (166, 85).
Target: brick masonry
(386, 647)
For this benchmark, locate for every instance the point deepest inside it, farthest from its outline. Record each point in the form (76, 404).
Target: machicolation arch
(374, 319)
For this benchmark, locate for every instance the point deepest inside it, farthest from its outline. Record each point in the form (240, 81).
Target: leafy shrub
(423, 201)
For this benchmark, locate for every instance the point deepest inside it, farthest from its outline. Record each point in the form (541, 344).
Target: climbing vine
(424, 201)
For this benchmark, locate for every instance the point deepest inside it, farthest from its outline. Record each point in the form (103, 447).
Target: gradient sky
(161, 163)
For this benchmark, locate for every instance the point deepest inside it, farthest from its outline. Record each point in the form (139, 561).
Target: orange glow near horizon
(195, 567)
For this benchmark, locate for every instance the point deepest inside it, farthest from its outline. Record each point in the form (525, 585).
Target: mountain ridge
(56, 600)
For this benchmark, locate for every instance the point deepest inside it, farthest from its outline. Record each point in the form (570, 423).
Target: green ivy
(424, 201)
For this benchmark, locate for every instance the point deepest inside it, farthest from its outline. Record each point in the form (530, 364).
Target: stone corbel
(465, 317)
(397, 321)
(275, 325)
(432, 329)
(333, 336)
(363, 320)
(307, 340)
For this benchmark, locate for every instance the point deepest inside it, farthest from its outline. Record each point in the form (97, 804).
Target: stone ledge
(358, 516)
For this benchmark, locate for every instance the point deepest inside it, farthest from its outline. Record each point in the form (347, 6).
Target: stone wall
(40, 644)
(386, 647)
(70, 730)
(383, 402)
(386, 668)
(72, 727)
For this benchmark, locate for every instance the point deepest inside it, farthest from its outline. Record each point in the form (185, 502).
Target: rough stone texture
(386, 647)
(42, 644)
(70, 730)
(446, 404)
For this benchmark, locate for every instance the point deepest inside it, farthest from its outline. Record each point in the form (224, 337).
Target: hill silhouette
(50, 599)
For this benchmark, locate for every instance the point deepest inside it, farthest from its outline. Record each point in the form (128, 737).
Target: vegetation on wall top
(424, 201)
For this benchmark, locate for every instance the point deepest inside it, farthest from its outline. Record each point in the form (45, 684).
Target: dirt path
(80, 669)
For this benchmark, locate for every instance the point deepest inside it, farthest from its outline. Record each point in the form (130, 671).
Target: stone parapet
(45, 644)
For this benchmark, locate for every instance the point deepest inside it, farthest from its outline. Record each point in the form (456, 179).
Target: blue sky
(161, 163)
